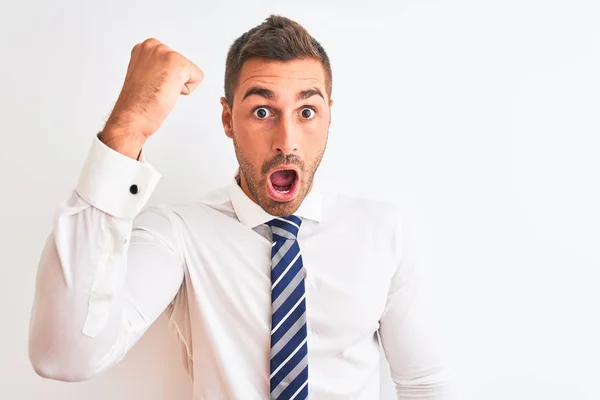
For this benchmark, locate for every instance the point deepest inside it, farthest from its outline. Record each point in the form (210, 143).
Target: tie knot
(285, 228)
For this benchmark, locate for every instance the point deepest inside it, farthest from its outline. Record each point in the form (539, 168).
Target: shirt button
(133, 189)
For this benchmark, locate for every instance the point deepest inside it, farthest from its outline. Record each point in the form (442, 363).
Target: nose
(287, 136)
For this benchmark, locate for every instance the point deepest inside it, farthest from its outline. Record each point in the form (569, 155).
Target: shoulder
(216, 201)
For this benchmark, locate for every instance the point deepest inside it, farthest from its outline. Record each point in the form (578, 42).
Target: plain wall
(479, 117)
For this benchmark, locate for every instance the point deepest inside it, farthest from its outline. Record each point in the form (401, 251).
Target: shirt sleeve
(107, 271)
(408, 332)
(114, 183)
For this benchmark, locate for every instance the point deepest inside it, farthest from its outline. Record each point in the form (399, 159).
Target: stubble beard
(257, 180)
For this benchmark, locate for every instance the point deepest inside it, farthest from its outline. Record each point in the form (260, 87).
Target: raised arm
(103, 276)
(109, 269)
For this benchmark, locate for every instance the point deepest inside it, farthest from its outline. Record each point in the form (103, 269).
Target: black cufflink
(133, 189)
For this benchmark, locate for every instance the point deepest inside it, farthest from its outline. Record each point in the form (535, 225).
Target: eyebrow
(258, 91)
(270, 95)
(305, 94)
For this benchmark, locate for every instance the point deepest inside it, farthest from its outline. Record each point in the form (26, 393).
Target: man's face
(279, 125)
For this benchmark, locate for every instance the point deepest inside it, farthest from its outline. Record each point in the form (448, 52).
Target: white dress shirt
(111, 266)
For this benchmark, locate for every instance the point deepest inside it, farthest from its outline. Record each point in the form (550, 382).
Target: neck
(241, 181)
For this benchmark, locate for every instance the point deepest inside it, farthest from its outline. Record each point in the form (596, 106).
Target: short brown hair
(277, 38)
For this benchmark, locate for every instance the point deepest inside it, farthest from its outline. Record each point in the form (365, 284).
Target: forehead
(281, 76)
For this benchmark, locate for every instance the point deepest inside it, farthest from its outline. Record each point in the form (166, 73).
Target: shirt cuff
(114, 183)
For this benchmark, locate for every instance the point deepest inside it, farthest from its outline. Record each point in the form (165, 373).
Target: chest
(345, 278)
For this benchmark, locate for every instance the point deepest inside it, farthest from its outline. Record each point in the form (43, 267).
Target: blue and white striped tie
(289, 347)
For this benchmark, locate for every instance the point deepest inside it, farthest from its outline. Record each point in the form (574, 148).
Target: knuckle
(135, 48)
(173, 57)
(162, 49)
(150, 43)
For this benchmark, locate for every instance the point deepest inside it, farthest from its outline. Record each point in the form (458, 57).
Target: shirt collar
(252, 215)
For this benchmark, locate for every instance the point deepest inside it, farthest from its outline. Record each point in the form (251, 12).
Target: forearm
(120, 135)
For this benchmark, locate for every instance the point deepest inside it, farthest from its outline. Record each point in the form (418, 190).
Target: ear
(330, 105)
(226, 118)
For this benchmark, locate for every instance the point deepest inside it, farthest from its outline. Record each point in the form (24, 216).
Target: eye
(261, 112)
(308, 113)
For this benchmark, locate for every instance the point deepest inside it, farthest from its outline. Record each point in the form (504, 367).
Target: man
(276, 289)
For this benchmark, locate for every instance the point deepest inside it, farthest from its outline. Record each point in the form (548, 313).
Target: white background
(480, 117)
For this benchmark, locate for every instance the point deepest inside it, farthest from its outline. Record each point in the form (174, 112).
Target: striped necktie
(289, 347)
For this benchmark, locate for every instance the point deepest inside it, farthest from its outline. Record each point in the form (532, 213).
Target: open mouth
(283, 185)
